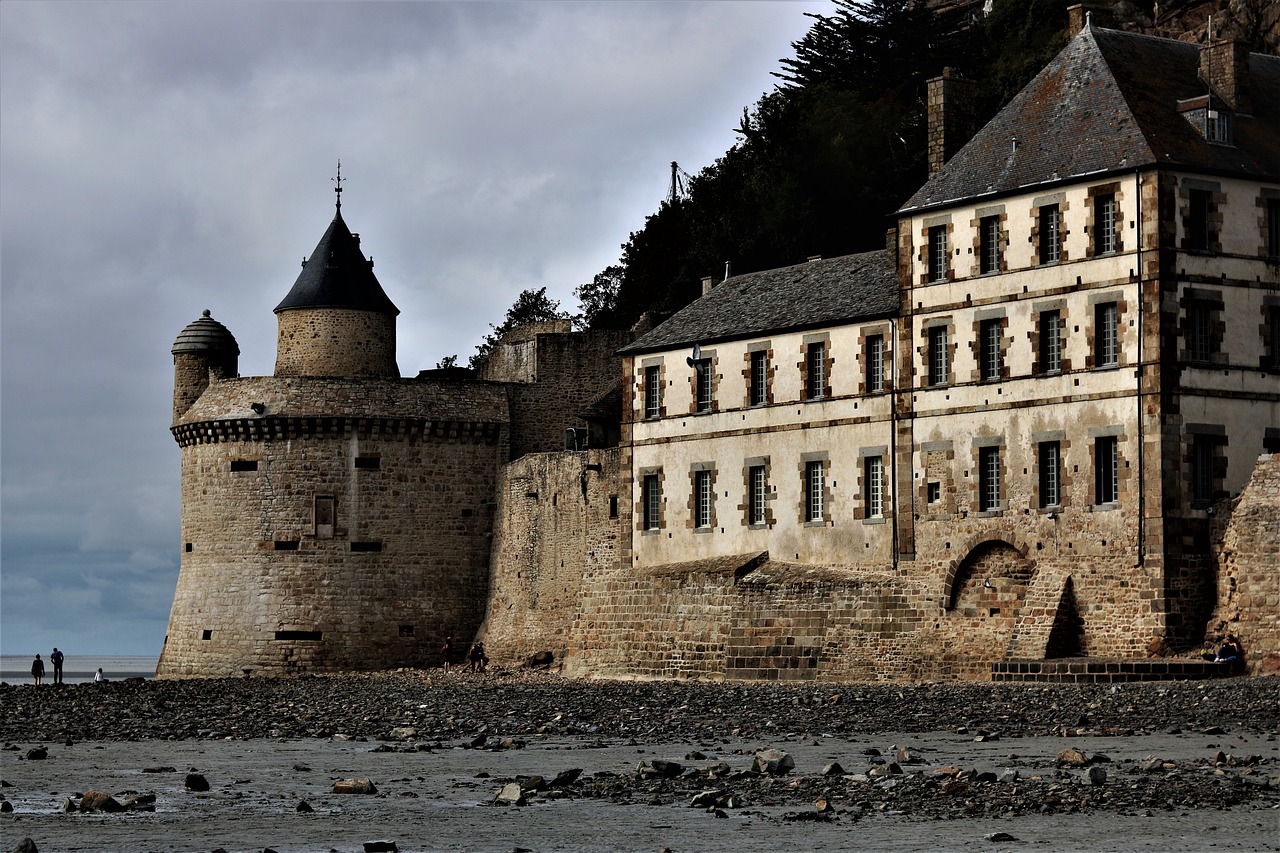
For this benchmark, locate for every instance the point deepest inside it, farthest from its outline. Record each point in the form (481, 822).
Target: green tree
(531, 306)
(598, 299)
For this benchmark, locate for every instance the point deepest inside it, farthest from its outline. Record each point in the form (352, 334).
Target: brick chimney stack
(1224, 67)
(1079, 14)
(952, 119)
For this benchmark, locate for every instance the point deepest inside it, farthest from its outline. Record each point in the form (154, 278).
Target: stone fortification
(552, 376)
(555, 535)
(336, 342)
(1247, 546)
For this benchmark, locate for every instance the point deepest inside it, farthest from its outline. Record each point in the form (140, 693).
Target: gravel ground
(1178, 765)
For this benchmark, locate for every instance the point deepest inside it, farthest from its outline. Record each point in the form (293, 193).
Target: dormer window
(1217, 126)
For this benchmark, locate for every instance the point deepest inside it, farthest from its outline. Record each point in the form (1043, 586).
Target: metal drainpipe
(893, 435)
(1142, 504)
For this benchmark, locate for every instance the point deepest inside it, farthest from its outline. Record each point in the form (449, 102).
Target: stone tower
(334, 515)
(202, 347)
(337, 321)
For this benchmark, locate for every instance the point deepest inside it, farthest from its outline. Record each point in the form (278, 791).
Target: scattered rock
(195, 782)
(774, 762)
(510, 795)
(98, 801)
(38, 753)
(380, 847)
(355, 785)
(303, 807)
(565, 778)
(26, 845)
(159, 770)
(1072, 757)
(833, 769)
(999, 836)
(1097, 775)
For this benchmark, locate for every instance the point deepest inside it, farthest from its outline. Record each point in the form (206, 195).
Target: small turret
(337, 320)
(205, 346)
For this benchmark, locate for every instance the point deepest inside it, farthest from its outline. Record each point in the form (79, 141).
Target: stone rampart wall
(554, 536)
(554, 376)
(308, 554)
(1247, 545)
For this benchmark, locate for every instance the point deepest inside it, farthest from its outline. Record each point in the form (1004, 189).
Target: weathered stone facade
(1027, 430)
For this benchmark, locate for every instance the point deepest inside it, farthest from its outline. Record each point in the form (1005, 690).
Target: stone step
(1104, 671)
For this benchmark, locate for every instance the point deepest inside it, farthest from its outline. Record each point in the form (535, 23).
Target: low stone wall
(1246, 544)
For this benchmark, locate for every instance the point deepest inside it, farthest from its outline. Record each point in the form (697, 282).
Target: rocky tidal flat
(516, 760)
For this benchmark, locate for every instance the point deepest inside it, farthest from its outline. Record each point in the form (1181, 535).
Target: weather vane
(338, 181)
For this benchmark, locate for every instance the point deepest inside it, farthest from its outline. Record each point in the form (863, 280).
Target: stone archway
(992, 569)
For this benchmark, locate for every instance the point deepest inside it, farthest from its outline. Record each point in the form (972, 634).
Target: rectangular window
(1217, 126)
(938, 253)
(369, 463)
(989, 244)
(1104, 224)
(938, 367)
(875, 364)
(990, 335)
(1273, 331)
(1199, 327)
(815, 480)
(933, 492)
(325, 510)
(756, 497)
(1050, 234)
(307, 636)
(1050, 341)
(1106, 344)
(366, 547)
(1273, 228)
(873, 486)
(816, 369)
(1106, 469)
(988, 479)
(1050, 474)
(1199, 230)
(1202, 470)
(652, 497)
(652, 391)
(702, 498)
(759, 378)
(702, 379)
(244, 464)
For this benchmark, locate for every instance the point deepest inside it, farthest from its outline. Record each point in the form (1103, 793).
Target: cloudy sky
(158, 159)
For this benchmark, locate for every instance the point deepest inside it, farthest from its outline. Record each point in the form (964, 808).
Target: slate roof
(205, 335)
(1109, 103)
(810, 295)
(337, 275)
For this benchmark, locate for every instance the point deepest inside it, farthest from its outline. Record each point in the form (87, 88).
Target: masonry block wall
(302, 534)
(1247, 547)
(336, 342)
(556, 531)
(569, 370)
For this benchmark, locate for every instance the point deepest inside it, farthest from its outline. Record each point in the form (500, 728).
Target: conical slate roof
(205, 335)
(337, 275)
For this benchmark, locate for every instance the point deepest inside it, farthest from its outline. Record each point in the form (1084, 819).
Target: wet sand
(439, 800)
(1218, 788)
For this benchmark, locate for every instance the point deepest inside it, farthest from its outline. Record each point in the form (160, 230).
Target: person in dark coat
(56, 659)
(37, 670)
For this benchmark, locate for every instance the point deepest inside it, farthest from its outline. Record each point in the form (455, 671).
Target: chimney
(951, 117)
(708, 282)
(1080, 15)
(1224, 67)
(891, 249)
(728, 269)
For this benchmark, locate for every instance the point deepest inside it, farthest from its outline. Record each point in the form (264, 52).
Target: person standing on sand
(447, 650)
(56, 659)
(37, 670)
